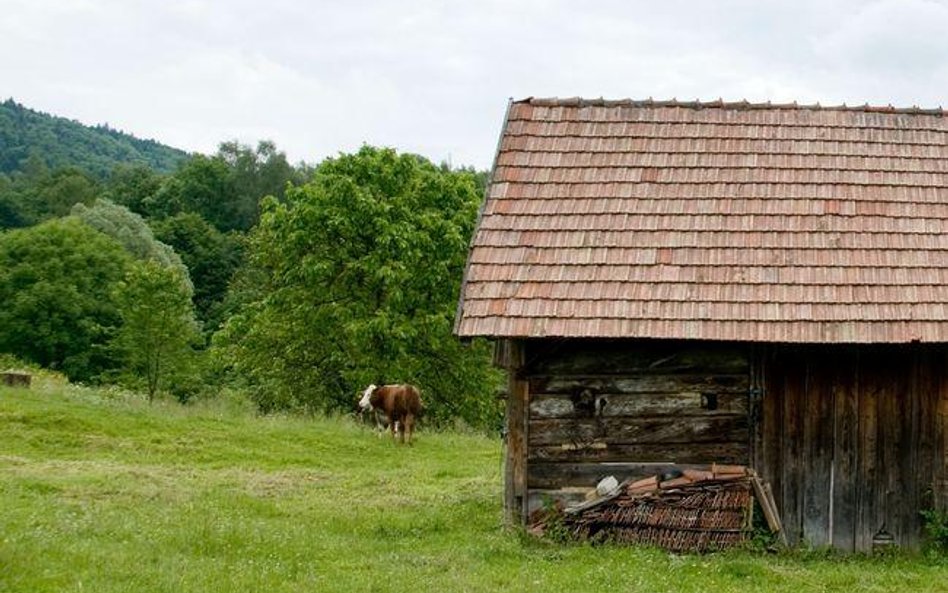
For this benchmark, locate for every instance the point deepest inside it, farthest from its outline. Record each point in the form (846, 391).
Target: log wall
(624, 408)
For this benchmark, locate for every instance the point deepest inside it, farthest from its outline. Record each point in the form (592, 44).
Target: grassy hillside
(62, 142)
(99, 494)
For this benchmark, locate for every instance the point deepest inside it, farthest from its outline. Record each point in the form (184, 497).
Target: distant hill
(63, 142)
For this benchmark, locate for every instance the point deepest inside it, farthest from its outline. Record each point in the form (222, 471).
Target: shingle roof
(722, 221)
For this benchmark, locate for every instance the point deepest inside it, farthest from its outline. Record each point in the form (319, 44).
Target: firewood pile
(681, 511)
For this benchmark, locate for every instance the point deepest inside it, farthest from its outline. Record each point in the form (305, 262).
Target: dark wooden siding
(853, 440)
(628, 408)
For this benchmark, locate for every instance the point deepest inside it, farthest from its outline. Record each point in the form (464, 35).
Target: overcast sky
(433, 77)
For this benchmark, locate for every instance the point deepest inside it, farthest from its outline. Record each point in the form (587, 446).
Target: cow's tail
(416, 401)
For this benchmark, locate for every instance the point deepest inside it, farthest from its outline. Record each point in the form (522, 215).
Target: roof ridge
(722, 104)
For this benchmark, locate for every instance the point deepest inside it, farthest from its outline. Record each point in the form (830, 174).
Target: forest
(237, 274)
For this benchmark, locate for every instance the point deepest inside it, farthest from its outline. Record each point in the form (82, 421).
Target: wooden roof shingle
(718, 221)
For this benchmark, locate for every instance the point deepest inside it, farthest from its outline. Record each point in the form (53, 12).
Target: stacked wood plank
(682, 511)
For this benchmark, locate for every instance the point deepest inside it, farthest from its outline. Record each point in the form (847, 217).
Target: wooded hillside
(58, 142)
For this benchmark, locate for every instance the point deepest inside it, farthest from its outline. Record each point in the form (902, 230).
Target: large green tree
(56, 289)
(356, 277)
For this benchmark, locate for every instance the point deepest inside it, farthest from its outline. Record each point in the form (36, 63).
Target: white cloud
(433, 76)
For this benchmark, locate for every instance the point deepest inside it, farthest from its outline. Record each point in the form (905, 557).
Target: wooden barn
(690, 283)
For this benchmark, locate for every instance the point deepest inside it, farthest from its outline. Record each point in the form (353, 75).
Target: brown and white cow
(401, 404)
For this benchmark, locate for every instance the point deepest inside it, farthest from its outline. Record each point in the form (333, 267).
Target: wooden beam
(515, 467)
(657, 430)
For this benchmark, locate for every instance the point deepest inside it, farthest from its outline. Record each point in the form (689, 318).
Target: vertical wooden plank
(904, 486)
(910, 403)
(925, 390)
(793, 382)
(768, 464)
(515, 467)
(868, 507)
(818, 480)
(755, 408)
(845, 427)
(889, 496)
(940, 487)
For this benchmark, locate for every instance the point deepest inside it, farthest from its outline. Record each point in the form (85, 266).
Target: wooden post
(15, 379)
(940, 481)
(755, 409)
(515, 466)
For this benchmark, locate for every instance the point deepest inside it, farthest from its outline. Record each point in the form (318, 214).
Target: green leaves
(211, 257)
(56, 283)
(58, 142)
(360, 270)
(158, 327)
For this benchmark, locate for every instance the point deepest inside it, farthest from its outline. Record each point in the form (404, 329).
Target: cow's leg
(409, 425)
(379, 423)
(394, 426)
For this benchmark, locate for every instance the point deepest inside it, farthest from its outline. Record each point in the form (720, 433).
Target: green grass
(103, 494)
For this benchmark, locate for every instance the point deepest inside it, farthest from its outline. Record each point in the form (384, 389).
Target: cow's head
(365, 403)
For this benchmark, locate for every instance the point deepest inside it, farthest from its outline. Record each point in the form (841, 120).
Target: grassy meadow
(105, 493)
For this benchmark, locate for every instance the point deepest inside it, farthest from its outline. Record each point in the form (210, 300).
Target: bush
(936, 528)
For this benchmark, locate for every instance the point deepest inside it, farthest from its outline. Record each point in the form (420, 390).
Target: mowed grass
(99, 495)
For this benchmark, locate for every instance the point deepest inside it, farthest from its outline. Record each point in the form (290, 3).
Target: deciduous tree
(359, 272)
(158, 330)
(56, 290)
(132, 232)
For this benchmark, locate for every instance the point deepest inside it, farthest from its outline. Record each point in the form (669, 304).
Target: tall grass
(104, 493)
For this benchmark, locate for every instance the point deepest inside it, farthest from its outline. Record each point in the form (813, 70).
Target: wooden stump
(14, 379)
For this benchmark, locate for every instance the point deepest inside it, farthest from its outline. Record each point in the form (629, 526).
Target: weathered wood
(857, 443)
(768, 461)
(617, 357)
(507, 355)
(817, 452)
(845, 421)
(851, 438)
(754, 405)
(868, 513)
(593, 404)
(543, 405)
(515, 467)
(631, 430)
(15, 379)
(703, 383)
(792, 366)
(928, 388)
(734, 452)
(553, 475)
(890, 412)
(765, 498)
(912, 480)
(940, 439)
